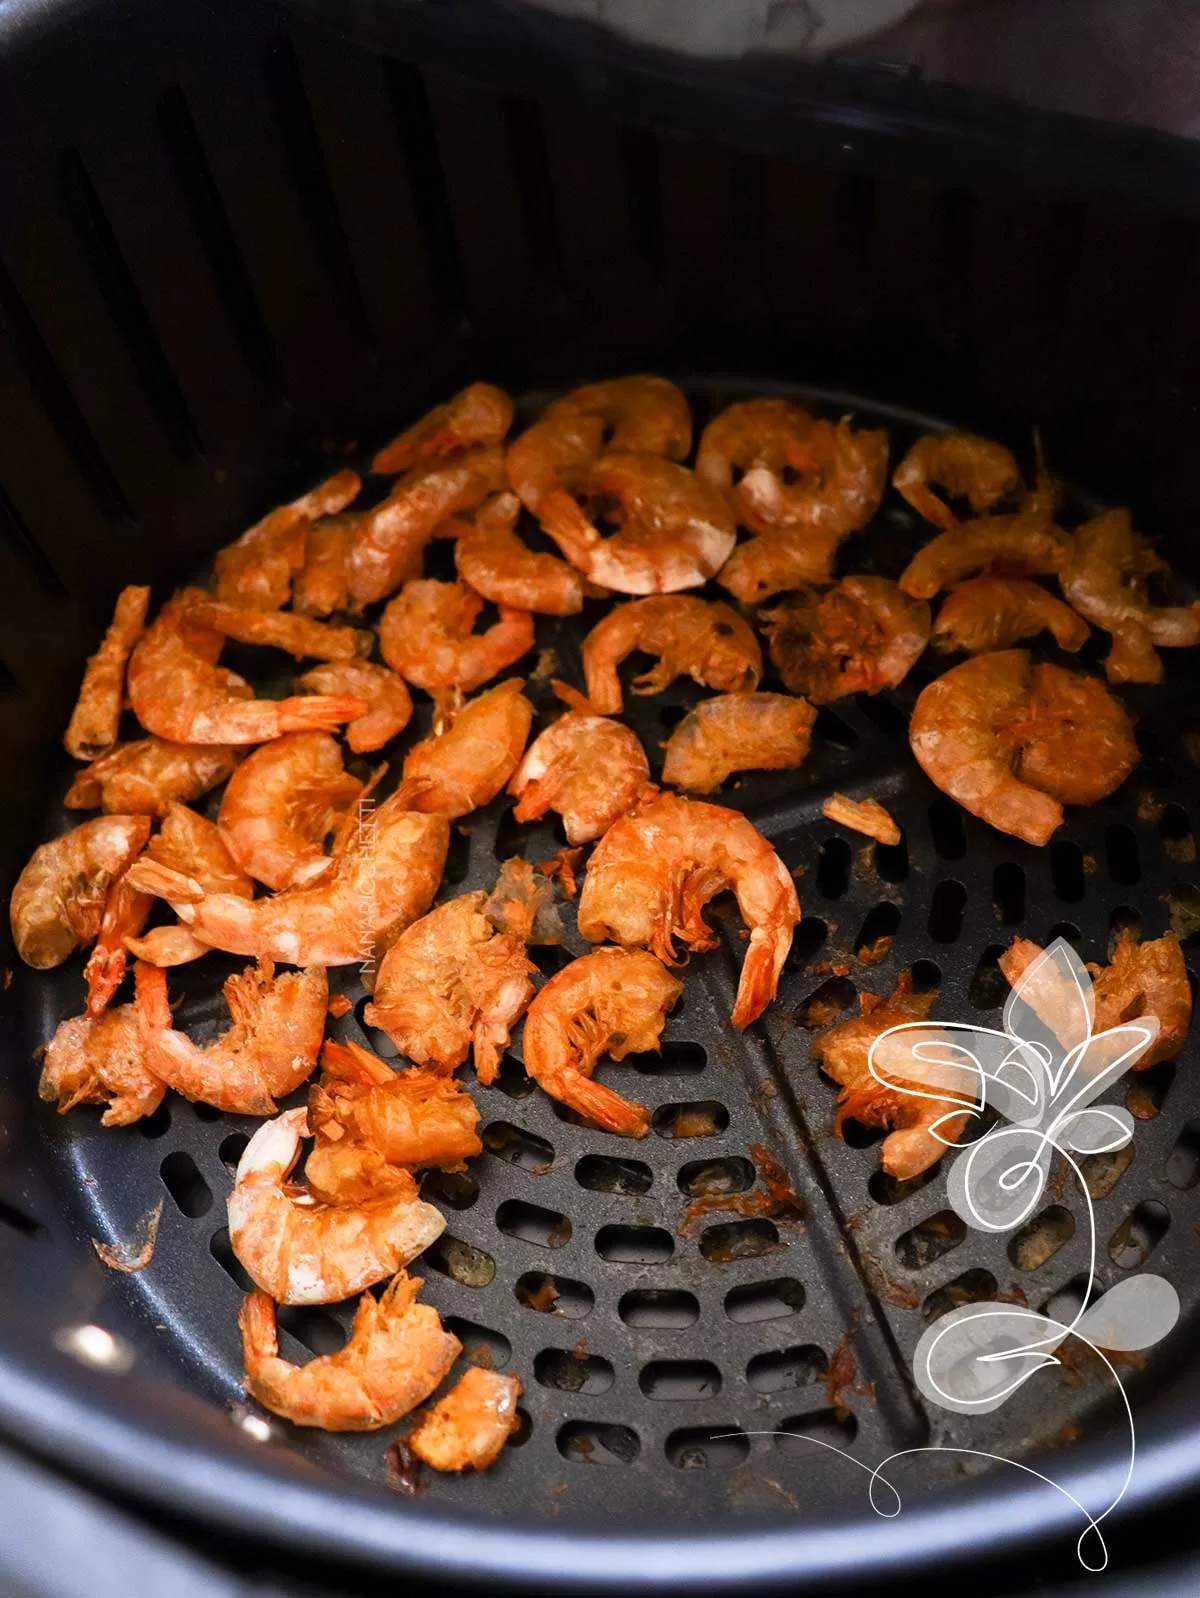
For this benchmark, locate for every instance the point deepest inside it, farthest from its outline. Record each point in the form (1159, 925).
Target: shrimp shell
(456, 771)
(708, 641)
(92, 730)
(425, 634)
(478, 414)
(59, 899)
(282, 803)
(100, 1060)
(737, 732)
(147, 777)
(860, 636)
(384, 692)
(471, 1424)
(996, 612)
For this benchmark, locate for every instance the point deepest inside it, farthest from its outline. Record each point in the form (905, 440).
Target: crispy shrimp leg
(92, 730)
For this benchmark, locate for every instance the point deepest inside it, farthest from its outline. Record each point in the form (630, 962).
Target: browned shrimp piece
(384, 692)
(471, 1424)
(737, 732)
(282, 803)
(450, 982)
(490, 557)
(257, 569)
(391, 537)
(862, 815)
(100, 1060)
(968, 467)
(785, 560)
(588, 768)
(709, 642)
(478, 414)
(300, 636)
(425, 634)
(190, 844)
(322, 584)
(858, 637)
(996, 612)
(844, 1053)
(147, 777)
(1105, 580)
(456, 771)
(1026, 544)
(837, 491)
(59, 900)
(92, 730)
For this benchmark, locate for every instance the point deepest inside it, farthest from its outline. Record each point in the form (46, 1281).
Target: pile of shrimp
(307, 835)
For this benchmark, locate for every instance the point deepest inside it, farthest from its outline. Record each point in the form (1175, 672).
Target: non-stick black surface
(659, 1377)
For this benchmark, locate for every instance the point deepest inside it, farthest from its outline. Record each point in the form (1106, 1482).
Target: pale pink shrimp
(59, 899)
(471, 1424)
(92, 730)
(388, 545)
(737, 732)
(300, 636)
(456, 771)
(425, 634)
(858, 637)
(384, 692)
(770, 565)
(710, 642)
(147, 777)
(968, 467)
(281, 805)
(588, 768)
(996, 612)
(478, 414)
(194, 846)
(654, 871)
(100, 1060)
(490, 557)
(258, 568)
(303, 1252)
(322, 584)
(179, 693)
(610, 1002)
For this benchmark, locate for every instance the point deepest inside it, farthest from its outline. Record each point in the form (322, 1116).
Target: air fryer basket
(257, 258)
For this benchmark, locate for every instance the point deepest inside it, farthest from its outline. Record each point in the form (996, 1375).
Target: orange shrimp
(300, 636)
(397, 1354)
(968, 467)
(425, 634)
(588, 768)
(867, 816)
(59, 899)
(322, 584)
(456, 771)
(1026, 544)
(92, 730)
(257, 569)
(860, 636)
(190, 844)
(781, 561)
(125, 914)
(384, 692)
(709, 642)
(450, 982)
(271, 1047)
(996, 612)
(100, 1060)
(771, 432)
(179, 693)
(147, 777)
(737, 732)
(282, 803)
(490, 557)
(478, 414)
(654, 871)
(471, 1424)
(642, 415)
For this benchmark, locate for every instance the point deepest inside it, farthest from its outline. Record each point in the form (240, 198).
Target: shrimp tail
(572, 698)
(163, 882)
(760, 975)
(601, 1105)
(319, 712)
(256, 1321)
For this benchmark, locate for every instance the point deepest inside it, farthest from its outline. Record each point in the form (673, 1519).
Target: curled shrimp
(450, 982)
(257, 569)
(425, 634)
(147, 777)
(644, 414)
(471, 1424)
(193, 845)
(996, 612)
(322, 584)
(968, 467)
(59, 899)
(92, 730)
(282, 803)
(653, 872)
(770, 565)
(709, 642)
(768, 432)
(860, 636)
(611, 1002)
(100, 1060)
(391, 537)
(268, 1051)
(737, 732)
(456, 771)
(301, 1251)
(300, 636)
(384, 692)
(1025, 544)
(180, 693)
(490, 557)
(397, 1353)
(1105, 580)
(1009, 741)
(588, 768)
(478, 414)
(382, 880)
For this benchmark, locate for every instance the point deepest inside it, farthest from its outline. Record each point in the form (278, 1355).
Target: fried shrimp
(968, 467)
(860, 636)
(1105, 580)
(450, 982)
(844, 1054)
(270, 1049)
(383, 879)
(194, 846)
(59, 899)
(100, 1060)
(322, 584)
(996, 612)
(257, 569)
(642, 415)
(611, 1002)
(772, 565)
(179, 693)
(588, 768)
(147, 777)
(737, 732)
(772, 433)
(384, 692)
(92, 730)
(466, 766)
(654, 871)
(708, 642)
(1013, 742)
(1026, 544)
(390, 539)
(398, 1352)
(300, 636)
(425, 634)
(840, 476)
(305, 1252)
(281, 805)
(862, 815)
(490, 557)
(478, 414)
(471, 1424)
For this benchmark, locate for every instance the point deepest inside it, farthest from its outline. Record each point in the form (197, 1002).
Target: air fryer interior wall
(233, 253)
